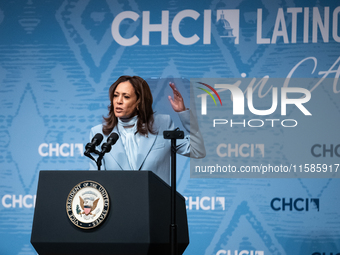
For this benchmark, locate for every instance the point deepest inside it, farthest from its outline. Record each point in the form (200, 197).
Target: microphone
(111, 140)
(91, 147)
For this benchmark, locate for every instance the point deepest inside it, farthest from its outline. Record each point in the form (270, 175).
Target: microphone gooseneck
(106, 147)
(91, 147)
(111, 140)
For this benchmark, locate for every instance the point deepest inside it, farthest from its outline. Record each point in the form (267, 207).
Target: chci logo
(298, 204)
(87, 205)
(236, 252)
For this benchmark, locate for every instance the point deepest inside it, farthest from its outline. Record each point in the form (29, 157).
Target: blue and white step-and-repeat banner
(269, 183)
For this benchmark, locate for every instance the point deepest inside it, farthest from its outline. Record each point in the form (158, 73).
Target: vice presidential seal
(87, 205)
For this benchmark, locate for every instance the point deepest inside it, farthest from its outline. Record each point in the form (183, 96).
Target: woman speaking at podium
(141, 145)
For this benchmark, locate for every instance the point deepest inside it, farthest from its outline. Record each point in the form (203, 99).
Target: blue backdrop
(58, 59)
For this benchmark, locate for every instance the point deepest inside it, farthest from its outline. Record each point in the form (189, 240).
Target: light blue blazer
(153, 150)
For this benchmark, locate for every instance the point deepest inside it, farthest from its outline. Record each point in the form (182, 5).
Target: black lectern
(137, 222)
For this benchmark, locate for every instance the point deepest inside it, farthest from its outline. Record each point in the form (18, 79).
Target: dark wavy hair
(144, 106)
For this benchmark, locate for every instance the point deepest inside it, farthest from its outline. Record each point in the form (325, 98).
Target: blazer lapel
(144, 148)
(118, 153)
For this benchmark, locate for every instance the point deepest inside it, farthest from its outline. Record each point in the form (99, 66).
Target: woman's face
(124, 100)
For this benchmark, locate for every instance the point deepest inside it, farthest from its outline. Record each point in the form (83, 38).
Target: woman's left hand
(177, 102)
